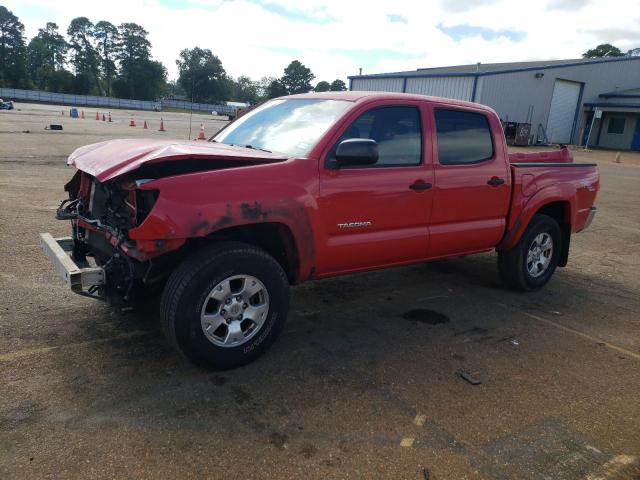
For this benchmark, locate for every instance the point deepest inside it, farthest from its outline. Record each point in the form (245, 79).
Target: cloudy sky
(337, 37)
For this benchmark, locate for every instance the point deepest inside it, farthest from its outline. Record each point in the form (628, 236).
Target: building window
(616, 125)
(463, 137)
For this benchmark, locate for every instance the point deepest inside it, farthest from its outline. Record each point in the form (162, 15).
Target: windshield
(290, 127)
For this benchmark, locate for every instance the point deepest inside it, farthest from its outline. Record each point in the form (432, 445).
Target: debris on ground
(470, 378)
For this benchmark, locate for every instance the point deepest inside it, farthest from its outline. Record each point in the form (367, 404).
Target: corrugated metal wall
(377, 84)
(512, 95)
(460, 88)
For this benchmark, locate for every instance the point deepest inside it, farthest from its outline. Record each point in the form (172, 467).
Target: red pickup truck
(306, 187)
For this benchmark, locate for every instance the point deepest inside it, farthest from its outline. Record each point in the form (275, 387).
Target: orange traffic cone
(82, 114)
(201, 134)
(97, 116)
(132, 122)
(109, 116)
(103, 118)
(145, 125)
(162, 129)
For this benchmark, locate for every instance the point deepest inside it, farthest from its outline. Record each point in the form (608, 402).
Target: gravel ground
(356, 387)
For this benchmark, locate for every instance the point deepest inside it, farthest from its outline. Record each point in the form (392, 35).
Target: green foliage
(338, 86)
(46, 53)
(244, 90)
(81, 84)
(54, 44)
(107, 39)
(85, 57)
(297, 78)
(140, 77)
(60, 81)
(174, 89)
(116, 60)
(202, 75)
(38, 60)
(603, 50)
(263, 87)
(133, 45)
(13, 58)
(322, 86)
(144, 80)
(276, 89)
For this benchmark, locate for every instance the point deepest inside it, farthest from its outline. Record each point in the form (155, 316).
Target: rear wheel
(531, 263)
(225, 305)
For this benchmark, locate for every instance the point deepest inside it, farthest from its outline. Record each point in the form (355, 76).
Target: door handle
(495, 181)
(420, 186)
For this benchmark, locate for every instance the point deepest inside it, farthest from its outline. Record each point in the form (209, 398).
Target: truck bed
(549, 177)
(562, 155)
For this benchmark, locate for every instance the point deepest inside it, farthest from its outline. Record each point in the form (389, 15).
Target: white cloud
(254, 38)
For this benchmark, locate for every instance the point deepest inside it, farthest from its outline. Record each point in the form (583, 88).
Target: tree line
(115, 60)
(608, 50)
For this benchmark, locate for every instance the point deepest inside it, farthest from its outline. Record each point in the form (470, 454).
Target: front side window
(396, 130)
(463, 137)
(616, 125)
(290, 127)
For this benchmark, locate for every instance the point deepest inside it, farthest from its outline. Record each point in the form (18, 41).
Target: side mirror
(357, 151)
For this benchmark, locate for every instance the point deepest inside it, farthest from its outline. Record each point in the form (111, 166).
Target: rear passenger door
(377, 215)
(472, 182)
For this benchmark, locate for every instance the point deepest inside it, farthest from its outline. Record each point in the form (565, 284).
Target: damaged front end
(101, 215)
(110, 200)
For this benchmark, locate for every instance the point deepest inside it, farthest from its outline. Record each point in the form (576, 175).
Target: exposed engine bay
(101, 215)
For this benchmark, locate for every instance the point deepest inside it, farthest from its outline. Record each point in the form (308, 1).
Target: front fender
(200, 204)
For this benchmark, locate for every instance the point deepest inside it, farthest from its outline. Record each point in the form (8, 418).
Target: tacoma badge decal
(354, 224)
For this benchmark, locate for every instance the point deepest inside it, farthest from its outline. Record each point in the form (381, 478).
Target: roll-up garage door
(563, 111)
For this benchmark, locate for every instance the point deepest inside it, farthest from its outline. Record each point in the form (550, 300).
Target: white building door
(564, 103)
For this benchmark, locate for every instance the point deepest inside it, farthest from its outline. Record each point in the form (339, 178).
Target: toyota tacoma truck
(307, 187)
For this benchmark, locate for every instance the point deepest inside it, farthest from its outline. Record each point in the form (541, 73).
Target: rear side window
(396, 130)
(463, 137)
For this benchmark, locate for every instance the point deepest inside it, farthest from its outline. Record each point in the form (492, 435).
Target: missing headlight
(145, 200)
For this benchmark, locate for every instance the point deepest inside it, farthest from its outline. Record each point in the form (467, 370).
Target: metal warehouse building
(564, 101)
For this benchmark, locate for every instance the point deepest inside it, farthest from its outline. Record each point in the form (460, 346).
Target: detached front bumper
(88, 281)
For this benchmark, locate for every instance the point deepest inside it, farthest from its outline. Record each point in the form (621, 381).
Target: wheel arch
(275, 238)
(557, 202)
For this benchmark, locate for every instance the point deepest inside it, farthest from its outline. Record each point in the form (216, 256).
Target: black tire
(512, 264)
(187, 290)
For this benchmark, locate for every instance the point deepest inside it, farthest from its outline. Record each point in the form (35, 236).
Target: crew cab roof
(357, 96)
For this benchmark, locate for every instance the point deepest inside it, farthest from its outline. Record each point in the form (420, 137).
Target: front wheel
(225, 305)
(531, 263)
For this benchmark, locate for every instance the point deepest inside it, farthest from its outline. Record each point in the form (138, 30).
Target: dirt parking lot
(365, 380)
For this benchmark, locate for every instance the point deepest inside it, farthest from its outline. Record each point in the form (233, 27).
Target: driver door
(377, 215)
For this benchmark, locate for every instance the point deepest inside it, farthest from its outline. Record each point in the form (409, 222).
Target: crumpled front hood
(107, 160)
